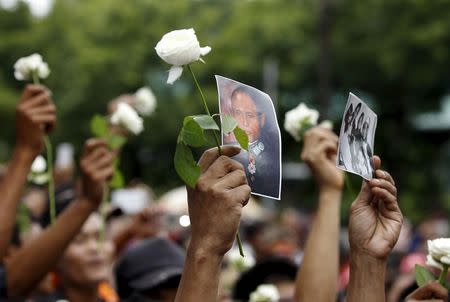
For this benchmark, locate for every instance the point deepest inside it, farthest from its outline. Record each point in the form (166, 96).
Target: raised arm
(35, 114)
(43, 253)
(318, 274)
(215, 207)
(374, 227)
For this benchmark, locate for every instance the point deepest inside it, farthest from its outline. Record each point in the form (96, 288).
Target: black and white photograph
(255, 114)
(356, 139)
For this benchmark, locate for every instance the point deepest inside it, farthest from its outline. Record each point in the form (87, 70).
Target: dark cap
(269, 271)
(148, 265)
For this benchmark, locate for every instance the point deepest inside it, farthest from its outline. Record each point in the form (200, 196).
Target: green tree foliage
(394, 53)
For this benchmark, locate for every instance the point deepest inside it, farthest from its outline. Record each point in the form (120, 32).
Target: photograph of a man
(255, 114)
(356, 139)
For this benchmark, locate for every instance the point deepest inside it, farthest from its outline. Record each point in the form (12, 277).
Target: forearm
(200, 279)
(320, 264)
(10, 191)
(43, 253)
(366, 279)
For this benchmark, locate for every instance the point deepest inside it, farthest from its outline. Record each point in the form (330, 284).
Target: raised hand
(375, 217)
(319, 152)
(35, 116)
(96, 167)
(215, 205)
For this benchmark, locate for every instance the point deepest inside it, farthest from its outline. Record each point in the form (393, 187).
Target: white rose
(265, 293)
(39, 165)
(238, 262)
(439, 250)
(39, 179)
(327, 124)
(26, 66)
(298, 119)
(128, 118)
(179, 48)
(145, 101)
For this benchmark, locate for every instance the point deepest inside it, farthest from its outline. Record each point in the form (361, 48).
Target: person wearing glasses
(255, 116)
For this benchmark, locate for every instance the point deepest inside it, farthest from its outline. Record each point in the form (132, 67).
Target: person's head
(355, 115)
(150, 270)
(86, 261)
(348, 117)
(360, 121)
(245, 109)
(365, 129)
(280, 272)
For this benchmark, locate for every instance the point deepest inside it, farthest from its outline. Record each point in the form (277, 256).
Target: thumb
(209, 156)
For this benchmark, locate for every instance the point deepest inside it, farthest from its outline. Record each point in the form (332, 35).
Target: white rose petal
(327, 124)
(265, 293)
(178, 48)
(433, 263)
(298, 118)
(445, 260)
(39, 165)
(238, 262)
(175, 73)
(26, 66)
(145, 101)
(128, 118)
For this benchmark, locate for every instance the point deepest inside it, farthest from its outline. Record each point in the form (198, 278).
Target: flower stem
(205, 105)
(443, 275)
(216, 138)
(103, 215)
(51, 183)
(35, 77)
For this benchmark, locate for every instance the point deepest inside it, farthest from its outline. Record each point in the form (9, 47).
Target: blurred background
(394, 54)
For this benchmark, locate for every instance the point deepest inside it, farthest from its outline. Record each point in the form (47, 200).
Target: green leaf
(191, 133)
(229, 123)
(185, 165)
(99, 126)
(241, 137)
(117, 181)
(423, 275)
(116, 141)
(206, 122)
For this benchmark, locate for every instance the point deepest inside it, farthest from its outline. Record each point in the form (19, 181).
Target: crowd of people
(149, 256)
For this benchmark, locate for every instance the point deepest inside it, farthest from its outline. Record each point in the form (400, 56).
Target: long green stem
(216, 138)
(51, 182)
(205, 105)
(103, 214)
(443, 275)
(35, 77)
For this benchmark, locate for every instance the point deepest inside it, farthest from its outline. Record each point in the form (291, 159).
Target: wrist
(330, 195)
(202, 252)
(367, 278)
(87, 205)
(24, 155)
(360, 260)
